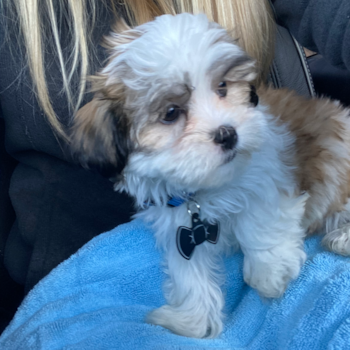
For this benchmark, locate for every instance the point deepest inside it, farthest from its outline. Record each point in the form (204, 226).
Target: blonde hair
(250, 20)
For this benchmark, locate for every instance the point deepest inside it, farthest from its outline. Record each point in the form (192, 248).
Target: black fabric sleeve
(7, 165)
(11, 293)
(319, 25)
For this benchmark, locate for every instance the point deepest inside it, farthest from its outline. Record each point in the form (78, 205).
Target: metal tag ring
(197, 206)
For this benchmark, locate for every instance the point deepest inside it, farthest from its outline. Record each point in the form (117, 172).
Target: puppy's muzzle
(226, 137)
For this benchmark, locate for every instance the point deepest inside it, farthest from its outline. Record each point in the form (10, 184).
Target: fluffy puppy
(175, 109)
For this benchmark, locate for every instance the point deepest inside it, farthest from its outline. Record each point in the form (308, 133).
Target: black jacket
(58, 205)
(322, 26)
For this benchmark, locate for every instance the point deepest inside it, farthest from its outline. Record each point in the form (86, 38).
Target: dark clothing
(330, 81)
(322, 26)
(58, 206)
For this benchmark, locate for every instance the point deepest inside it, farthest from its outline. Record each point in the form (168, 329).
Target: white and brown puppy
(174, 106)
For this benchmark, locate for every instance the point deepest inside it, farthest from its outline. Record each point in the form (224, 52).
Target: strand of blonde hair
(80, 47)
(31, 25)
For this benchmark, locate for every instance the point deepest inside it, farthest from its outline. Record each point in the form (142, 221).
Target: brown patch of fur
(100, 133)
(317, 124)
(93, 137)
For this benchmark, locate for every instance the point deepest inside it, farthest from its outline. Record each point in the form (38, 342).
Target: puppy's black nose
(226, 136)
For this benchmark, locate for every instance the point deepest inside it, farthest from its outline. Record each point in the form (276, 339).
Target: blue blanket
(99, 297)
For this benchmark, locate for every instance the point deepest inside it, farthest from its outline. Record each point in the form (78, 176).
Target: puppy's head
(173, 103)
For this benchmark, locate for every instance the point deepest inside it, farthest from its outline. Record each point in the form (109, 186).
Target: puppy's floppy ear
(100, 135)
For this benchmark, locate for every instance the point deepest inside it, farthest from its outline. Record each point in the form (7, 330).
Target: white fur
(258, 211)
(254, 197)
(191, 40)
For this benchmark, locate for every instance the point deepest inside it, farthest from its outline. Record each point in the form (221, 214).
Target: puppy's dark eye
(173, 113)
(254, 98)
(222, 89)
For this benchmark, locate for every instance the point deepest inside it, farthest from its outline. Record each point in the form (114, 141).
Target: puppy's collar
(174, 202)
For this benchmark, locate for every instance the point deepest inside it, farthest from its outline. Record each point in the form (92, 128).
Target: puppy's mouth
(229, 156)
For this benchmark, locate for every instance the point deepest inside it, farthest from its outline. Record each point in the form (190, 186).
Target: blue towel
(99, 297)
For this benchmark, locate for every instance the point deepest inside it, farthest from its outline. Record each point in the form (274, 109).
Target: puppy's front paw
(338, 241)
(270, 271)
(186, 323)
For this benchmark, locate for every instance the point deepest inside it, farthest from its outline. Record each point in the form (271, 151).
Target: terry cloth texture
(322, 26)
(98, 299)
